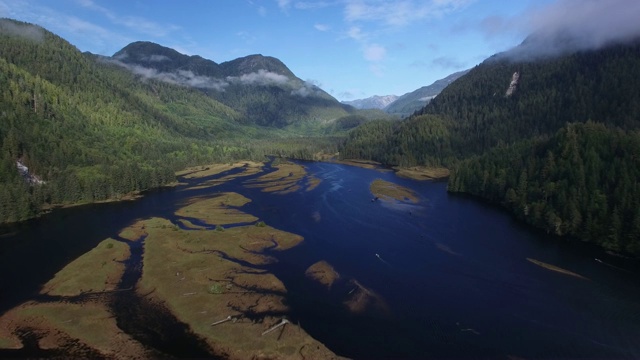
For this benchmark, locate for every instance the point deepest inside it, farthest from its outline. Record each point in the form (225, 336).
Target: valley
(494, 213)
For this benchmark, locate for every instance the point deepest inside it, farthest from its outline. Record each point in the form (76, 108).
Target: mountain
(79, 128)
(410, 102)
(553, 138)
(261, 88)
(373, 102)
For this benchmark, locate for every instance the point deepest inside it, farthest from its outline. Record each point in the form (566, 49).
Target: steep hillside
(547, 93)
(261, 88)
(503, 130)
(408, 103)
(79, 128)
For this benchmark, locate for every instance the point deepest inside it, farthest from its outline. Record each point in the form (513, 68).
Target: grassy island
(386, 190)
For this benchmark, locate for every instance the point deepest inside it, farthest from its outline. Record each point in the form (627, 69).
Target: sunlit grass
(90, 323)
(387, 190)
(98, 270)
(187, 270)
(422, 172)
(217, 211)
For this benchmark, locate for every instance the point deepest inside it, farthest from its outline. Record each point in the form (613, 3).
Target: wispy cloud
(568, 25)
(180, 77)
(136, 23)
(322, 27)
(449, 63)
(355, 33)
(306, 5)
(309, 87)
(400, 13)
(374, 52)
(283, 4)
(79, 31)
(260, 77)
(246, 36)
(26, 31)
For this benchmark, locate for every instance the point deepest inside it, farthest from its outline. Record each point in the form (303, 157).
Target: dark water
(452, 271)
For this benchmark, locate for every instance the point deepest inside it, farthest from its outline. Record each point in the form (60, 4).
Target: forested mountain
(506, 129)
(88, 129)
(261, 88)
(410, 102)
(373, 102)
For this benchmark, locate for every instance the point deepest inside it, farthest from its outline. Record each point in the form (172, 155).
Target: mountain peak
(254, 63)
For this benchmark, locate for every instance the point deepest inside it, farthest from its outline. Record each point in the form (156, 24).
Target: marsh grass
(133, 232)
(282, 181)
(217, 211)
(99, 269)
(197, 172)
(422, 172)
(323, 273)
(206, 276)
(90, 323)
(387, 190)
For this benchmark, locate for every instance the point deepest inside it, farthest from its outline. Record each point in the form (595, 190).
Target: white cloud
(355, 33)
(158, 58)
(181, 77)
(135, 23)
(311, 5)
(322, 27)
(283, 4)
(26, 31)
(401, 12)
(261, 77)
(568, 25)
(374, 52)
(262, 11)
(310, 87)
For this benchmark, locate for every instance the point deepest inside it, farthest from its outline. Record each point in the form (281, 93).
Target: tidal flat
(210, 278)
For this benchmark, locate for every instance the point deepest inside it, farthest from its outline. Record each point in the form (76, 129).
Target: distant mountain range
(408, 103)
(373, 102)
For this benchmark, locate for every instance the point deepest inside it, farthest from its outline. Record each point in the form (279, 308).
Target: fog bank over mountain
(570, 25)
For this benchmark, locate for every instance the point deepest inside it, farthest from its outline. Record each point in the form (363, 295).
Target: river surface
(452, 271)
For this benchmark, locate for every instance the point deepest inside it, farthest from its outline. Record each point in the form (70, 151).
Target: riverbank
(208, 277)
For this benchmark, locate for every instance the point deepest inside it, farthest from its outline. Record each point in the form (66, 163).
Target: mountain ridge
(372, 102)
(262, 88)
(410, 102)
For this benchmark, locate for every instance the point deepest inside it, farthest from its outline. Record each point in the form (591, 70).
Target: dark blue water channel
(452, 271)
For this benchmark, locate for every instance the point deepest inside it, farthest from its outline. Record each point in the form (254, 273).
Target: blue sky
(351, 48)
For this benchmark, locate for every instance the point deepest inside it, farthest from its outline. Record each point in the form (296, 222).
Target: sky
(352, 49)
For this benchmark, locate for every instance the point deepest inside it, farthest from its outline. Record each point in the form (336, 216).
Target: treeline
(420, 140)
(583, 182)
(91, 130)
(599, 85)
(578, 180)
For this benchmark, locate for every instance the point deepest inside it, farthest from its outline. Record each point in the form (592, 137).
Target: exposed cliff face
(30, 178)
(513, 85)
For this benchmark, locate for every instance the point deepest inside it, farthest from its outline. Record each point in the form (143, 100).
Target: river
(452, 271)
